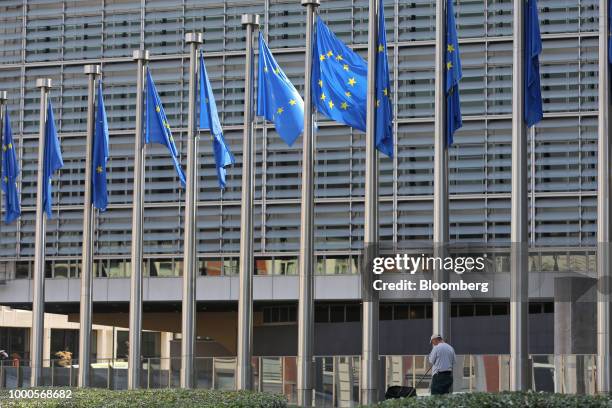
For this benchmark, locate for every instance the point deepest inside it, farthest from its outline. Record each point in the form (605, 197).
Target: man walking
(442, 357)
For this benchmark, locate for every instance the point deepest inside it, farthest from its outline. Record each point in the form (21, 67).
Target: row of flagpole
(526, 112)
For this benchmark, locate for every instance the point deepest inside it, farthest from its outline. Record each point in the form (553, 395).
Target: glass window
(285, 266)
(210, 267)
(336, 314)
(230, 267)
(263, 266)
(22, 270)
(321, 314)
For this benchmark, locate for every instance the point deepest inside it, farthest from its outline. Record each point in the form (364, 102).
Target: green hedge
(502, 400)
(153, 398)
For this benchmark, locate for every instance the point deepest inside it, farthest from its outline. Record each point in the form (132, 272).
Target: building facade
(41, 38)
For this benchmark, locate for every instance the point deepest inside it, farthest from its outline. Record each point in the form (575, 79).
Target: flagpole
(135, 335)
(190, 255)
(86, 307)
(369, 337)
(306, 261)
(604, 221)
(440, 304)
(245, 301)
(38, 297)
(519, 295)
(3, 99)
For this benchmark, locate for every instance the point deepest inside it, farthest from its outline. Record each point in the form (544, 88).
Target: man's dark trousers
(442, 383)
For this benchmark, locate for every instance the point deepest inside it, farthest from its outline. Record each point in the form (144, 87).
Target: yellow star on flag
(265, 69)
(99, 169)
(157, 109)
(279, 110)
(292, 102)
(322, 57)
(331, 104)
(352, 81)
(385, 91)
(377, 103)
(449, 65)
(4, 148)
(321, 83)
(329, 54)
(381, 48)
(347, 93)
(344, 105)
(277, 71)
(339, 58)
(346, 67)
(450, 48)
(323, 96)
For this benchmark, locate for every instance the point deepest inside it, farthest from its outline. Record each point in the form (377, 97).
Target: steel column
(38, 281)
(3, 99)
(370, 306)
(135, 333)
(244, 375)
(604, 226)
(440, 306)
(190, 262)
(86, 306)
(305, 366)
(519, 233)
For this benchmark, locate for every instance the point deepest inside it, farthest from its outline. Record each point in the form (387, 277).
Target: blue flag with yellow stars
(10, 171)
(339, 79)
(533, 48)
(209, 119)
(384, 111)
(100, 156)
(52, 161)
(157, 128)
(277, 99)
(453, 75)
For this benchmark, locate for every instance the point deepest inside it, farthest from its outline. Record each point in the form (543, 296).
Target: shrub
(152, 398)
(501, 400)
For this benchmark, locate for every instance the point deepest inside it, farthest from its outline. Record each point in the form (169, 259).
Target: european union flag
(339, 79)
(533, 48)
(52, 161)
(453, 75)
(277, 99)
(157, 128)
(100, 156)
(384, 111)
(10, 171)
(209, 119)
